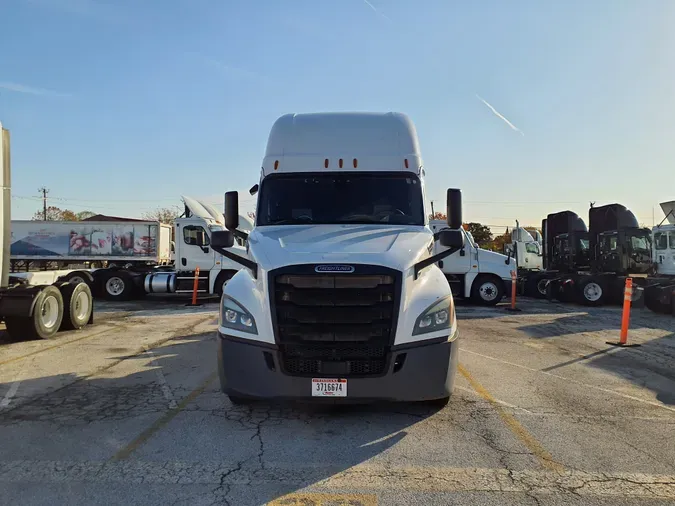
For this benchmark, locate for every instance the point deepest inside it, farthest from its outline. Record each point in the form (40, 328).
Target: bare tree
(163, 214)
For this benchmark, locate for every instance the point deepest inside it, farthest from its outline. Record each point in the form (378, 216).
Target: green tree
(57, 214)
(481, 233)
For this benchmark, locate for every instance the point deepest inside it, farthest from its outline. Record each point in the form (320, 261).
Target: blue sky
(122, 106)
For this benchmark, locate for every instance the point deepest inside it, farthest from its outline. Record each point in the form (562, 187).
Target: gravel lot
(129, 411)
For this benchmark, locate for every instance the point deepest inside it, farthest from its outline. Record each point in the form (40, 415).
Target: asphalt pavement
(129, 411)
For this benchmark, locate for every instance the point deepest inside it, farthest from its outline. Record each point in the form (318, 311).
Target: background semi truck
(660, 289)
(591, 264)
(480, 275)
(138, 257)
(38, 309)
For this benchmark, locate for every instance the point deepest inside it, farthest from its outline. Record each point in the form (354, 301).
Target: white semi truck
(474, 273)
(38, 307)
(140, 257)
(341, 297)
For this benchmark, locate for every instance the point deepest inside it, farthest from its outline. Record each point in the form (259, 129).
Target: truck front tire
(487, 290)
(591, 291)
(45, 321)
(117, 285)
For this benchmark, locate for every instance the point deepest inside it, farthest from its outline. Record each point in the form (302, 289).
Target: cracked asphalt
(129, 411)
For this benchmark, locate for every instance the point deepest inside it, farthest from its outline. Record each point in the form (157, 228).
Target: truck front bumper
(253, 370)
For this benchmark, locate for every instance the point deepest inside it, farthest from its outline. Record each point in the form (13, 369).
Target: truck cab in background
(193, 251)
(526, 249)
(591, 264)
(660, 289)
(474, 273)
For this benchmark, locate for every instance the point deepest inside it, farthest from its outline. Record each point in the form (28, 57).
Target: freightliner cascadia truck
(341, 297)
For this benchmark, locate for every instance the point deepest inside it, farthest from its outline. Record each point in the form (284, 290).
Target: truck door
(461, 262)
(195, 248)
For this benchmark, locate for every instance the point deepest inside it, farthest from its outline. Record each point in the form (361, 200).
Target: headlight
(234, 316)
(439, 316)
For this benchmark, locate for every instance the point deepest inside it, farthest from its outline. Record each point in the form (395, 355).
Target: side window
(532, 247)
(661, 240)
(639, 243)
(192, 235)
(672, 240)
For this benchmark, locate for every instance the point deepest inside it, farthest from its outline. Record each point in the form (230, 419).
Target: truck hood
(395, 246)
(491, 261)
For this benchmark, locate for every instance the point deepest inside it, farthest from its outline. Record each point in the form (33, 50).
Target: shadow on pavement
(68, 419)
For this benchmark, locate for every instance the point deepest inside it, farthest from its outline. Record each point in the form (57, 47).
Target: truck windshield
(380, 197)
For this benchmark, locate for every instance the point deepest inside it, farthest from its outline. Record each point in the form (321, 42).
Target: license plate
(329, 387)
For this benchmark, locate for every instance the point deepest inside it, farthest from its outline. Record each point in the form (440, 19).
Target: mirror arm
(433, 259)
(250, 264)
(241, 234)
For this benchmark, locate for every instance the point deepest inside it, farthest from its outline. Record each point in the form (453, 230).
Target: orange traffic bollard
(514, 285)
(625, 316)
(195, 287)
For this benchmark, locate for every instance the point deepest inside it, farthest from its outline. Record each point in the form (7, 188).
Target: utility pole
(432, 210)
(44, 192)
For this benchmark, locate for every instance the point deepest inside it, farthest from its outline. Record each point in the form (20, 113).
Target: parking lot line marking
(166, 390)
(570, 380)
(163, 420)
(532, 444)
(313, 499)
(58, 345)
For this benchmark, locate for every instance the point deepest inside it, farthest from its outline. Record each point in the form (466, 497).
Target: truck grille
(335, 324)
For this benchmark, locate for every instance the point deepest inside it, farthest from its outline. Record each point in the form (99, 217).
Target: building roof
(103, 217)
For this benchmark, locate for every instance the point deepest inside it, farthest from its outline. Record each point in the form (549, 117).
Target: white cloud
(30, 90)
(226, 70)
(376, 10)
(500, 116)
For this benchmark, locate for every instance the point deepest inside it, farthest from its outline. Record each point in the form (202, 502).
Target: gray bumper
(253, 370)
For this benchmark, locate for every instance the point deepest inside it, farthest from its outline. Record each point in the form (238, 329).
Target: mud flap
(19, 301)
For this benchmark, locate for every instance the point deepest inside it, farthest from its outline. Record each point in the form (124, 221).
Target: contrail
(376, 10)
(20, 88)
(499, 115)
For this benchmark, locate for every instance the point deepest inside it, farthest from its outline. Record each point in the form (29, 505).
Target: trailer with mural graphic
(63, 243)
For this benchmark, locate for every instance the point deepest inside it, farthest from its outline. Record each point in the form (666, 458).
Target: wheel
(45, 321)
(591, 291)
(78, 305)
(487, 290)
(221, 281)
(536, 286)
(117, 285)
(79, 277)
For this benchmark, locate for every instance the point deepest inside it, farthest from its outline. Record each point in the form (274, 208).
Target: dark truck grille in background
(335, 324)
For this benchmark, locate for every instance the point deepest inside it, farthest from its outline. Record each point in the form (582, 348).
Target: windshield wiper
(291, 221)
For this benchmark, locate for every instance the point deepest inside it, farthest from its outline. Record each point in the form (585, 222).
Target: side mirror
(454, 208)
(231, 211)
(201, 238)
(451, 238)
(222, 239)
(254, 189)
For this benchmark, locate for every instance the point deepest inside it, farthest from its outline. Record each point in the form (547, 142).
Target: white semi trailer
(34, 308)
(341, 297)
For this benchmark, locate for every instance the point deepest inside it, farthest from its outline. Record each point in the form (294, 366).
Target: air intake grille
(335, 324)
